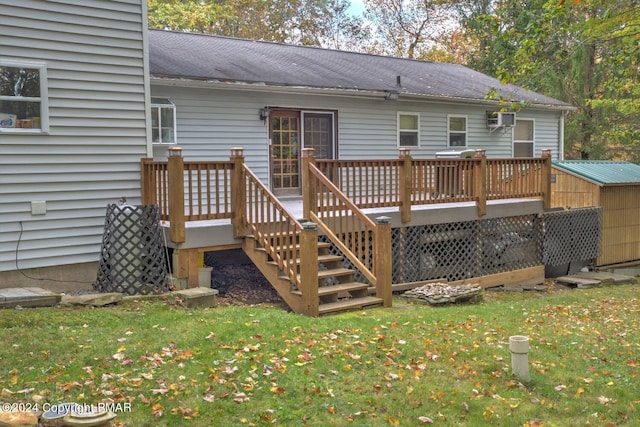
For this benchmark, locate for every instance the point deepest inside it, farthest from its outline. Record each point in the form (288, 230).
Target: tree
(409, 28)
(187, 15)
(584, 52)
(308, 22)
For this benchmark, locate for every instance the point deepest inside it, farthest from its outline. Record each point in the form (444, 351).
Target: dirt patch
(238, 280)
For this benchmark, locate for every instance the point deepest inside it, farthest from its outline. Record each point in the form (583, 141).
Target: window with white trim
(523, 138)
(163, 121)
(408, 129)
(23, 97)
(457, 131)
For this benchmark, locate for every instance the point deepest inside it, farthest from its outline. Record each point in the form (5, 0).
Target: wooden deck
(221, 205)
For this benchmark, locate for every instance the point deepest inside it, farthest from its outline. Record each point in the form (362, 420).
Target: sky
(357, 7)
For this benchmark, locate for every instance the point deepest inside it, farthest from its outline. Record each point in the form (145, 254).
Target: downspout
(561, 136)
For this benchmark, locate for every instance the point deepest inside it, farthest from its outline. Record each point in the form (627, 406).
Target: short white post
(519, 347)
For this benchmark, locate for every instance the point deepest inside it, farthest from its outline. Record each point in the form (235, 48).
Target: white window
(457, 131)
(408, 130)
(163, 121)
(23, 97)
(523, 137)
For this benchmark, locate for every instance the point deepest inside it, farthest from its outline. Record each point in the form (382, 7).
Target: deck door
(292, 130)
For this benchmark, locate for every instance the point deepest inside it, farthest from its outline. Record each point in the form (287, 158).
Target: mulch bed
(238, 280)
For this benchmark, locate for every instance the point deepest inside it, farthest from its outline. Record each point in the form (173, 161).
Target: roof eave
(333, 91)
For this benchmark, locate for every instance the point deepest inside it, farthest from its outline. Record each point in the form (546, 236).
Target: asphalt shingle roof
(214, 58)
(602, 172)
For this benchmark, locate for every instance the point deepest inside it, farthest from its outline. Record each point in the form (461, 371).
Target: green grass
(407, 365)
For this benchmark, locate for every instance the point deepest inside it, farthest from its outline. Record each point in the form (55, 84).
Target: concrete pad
(198, 297)
(28, 297)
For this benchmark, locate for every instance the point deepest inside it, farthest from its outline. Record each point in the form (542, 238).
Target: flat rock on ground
(94, 300)
(18, 419)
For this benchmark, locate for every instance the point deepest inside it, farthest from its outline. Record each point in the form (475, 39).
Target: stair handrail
(266, 217)
(328, 215)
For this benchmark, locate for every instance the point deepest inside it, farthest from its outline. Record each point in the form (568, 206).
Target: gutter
(378, 94)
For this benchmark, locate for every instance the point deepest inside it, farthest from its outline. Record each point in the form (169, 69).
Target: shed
(615, 186)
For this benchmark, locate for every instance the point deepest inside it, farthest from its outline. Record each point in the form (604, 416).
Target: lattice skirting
(132, 257)
(463, 250)
(571, 235)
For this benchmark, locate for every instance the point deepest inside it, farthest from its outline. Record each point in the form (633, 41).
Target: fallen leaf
(240, 397)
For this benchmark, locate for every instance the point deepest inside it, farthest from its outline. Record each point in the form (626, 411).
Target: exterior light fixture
(264, 113)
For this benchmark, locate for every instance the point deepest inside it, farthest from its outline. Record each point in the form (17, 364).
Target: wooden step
(325, 274)
(335, 289)
(320, 245)
(334, 272)
(349, 304)
(321, 259)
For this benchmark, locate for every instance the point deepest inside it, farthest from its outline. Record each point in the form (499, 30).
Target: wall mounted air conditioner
(500, 119)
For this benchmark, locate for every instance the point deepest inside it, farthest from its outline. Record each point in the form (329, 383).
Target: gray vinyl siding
(94, 51)
(211, 121)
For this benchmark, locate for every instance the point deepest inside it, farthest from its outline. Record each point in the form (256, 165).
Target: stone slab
(198, 297)
(28, 297)
(606, 276)
(93, 300)
(580, 282)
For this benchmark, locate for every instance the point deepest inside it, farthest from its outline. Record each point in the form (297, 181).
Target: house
(615, 186)
(74, 108)
(103, 92)
(275, 99)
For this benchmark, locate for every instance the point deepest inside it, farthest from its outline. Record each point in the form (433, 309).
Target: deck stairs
(338, 290)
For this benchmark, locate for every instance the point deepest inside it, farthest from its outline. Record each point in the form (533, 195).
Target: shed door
(290, 132)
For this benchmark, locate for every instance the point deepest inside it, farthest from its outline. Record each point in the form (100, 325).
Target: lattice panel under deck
(461, 250)
(571, 235)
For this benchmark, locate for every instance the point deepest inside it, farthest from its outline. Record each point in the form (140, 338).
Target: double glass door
(290, 131)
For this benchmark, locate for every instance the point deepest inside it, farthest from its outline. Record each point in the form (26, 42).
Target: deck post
(480, 178)
(238, 192)
(406, 178)
(175, 174)
(309, 190)
(309, 268)
(147, 182)
(546, 178)
(383, 260)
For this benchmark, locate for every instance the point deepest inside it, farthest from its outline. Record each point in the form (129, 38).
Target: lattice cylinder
(132, 257)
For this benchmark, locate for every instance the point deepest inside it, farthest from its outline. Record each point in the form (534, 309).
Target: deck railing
(403, 182)
(206, 190)
(367, 244)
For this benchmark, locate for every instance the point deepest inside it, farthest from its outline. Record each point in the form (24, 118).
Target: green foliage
(406, 365)
(307, 22)
(583, 52)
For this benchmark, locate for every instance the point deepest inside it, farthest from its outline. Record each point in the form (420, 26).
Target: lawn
(408, 365)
